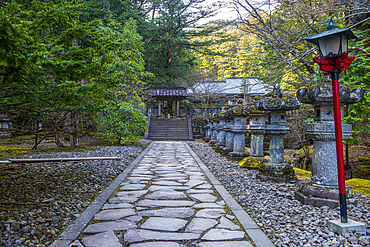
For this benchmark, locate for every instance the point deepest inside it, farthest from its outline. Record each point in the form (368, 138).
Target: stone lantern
(215, 122)
(208, 131)
(229, 136)
(5, 125)
(239, 129)
(277, 169)
(257, 128)
(324, 175)
(221, 132)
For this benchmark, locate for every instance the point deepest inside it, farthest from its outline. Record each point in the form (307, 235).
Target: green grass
(360, 185)
(8, 152)
(357, 184)
(15, 140)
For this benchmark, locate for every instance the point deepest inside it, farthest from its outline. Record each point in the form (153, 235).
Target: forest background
(63, 62)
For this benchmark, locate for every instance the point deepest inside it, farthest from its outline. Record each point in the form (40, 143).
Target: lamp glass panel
(344, 43)
(330, 45)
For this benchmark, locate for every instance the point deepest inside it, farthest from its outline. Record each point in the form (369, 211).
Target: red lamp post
(333, 44)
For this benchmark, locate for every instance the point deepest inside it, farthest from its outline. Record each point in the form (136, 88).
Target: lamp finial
(331, 24)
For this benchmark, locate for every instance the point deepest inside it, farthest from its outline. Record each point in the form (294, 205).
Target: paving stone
(141, 172)
(174, 175)
(174, 178)
(227, 224)
(222, 234)
(114, 214)
(169, 212)
(164, 224)
(134, 218)
(230, 217)
(203, 197)
(156, 244)
(120, 225)
(106, 239)
(132, 193)
(165, 182)
(138, 235)
(123, 199)
(166, 194)
(204, 186)
(196, 191)
(133, 187)
(160, 187)
(208, 205)
(210, 213)
(194, 173)
(192, 182)
(116, 206)
(225, 244)
(164, 203)
(76, 243)
(139, 178)
(199, 225)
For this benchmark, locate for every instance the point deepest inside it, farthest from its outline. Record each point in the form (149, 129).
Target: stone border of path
(251, 228)
(73, 231)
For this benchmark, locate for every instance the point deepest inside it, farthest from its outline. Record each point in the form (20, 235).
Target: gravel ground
(39, 200)
(272, 206)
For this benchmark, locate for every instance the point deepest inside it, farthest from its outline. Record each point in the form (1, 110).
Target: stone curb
(251, 228)
(73, 231)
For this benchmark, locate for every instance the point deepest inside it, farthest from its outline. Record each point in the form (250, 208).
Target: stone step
(168, 129)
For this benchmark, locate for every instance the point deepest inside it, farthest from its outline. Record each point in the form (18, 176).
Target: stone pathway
(168, 200)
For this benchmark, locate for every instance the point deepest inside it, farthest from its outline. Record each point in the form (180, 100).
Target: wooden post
(178, 108)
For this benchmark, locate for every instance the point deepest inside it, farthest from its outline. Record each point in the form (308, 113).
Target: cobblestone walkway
(167, 200)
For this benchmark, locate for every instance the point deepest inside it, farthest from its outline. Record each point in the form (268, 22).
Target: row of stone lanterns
(327, 165)
(226, 133)
(229, 138)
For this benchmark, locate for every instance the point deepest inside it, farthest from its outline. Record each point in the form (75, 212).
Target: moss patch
(360, 185)
(302, 173)
(252, 163)
(8, 152)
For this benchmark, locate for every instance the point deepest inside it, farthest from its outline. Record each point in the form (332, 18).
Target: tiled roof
(169, 92)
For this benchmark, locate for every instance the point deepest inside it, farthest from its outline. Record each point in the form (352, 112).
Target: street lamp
(333, 44)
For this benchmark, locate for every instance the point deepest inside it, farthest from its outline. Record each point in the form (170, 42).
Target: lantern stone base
(226, 151)
(350, 227)
(318, 196)
(212, 143)
(280, 172)
(236, 156)
(218, 147)
(253, 162)
(4, 135)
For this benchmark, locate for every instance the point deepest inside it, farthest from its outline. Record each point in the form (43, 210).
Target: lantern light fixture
(333, 41)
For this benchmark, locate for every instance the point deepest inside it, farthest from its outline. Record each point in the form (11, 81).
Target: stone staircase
(161, 129)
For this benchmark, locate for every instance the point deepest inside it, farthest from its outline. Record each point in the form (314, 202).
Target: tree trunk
(169, 53)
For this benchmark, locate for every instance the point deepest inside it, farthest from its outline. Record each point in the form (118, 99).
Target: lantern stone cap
(277, 102)
(222, 115)
(331, 30)
(238, 111)
(255, 111)
(323, 92)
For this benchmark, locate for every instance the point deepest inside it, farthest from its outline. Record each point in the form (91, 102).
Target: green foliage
(358, 76)
(122, 119)
(59, 60)
(167, 28)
